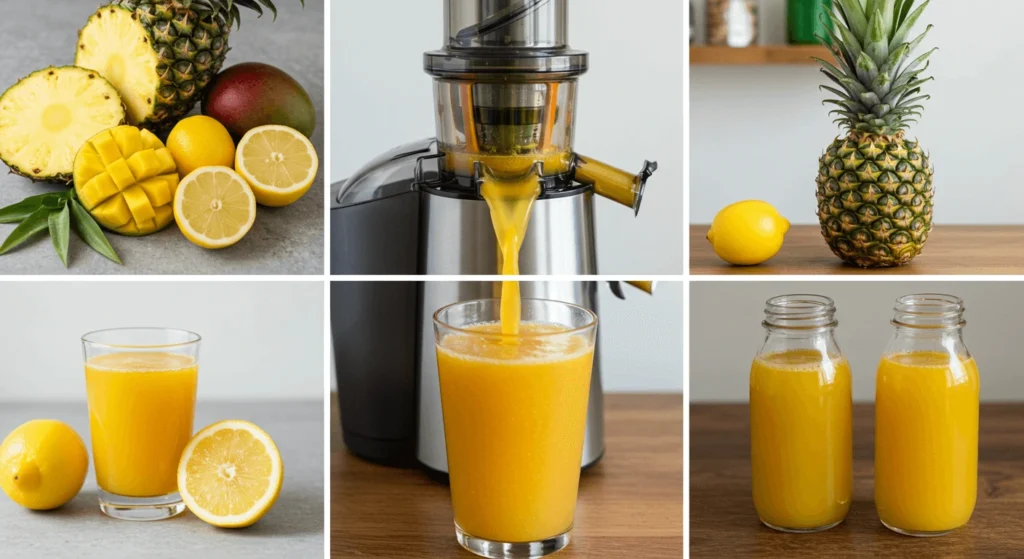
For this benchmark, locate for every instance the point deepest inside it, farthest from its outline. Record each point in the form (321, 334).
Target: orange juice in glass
(926, 420)
(141, 388)
(801, 432)
(514, 410)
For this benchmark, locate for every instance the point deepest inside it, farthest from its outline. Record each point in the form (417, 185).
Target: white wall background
(725, 321)
(261, 341)
(630, 105)
(641, 339)
(757, 132)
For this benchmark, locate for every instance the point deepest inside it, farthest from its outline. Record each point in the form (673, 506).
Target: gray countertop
(283, 240)
(293, 528)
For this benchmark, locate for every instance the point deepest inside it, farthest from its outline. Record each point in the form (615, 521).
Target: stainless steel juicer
(505, 84)
(505, 87)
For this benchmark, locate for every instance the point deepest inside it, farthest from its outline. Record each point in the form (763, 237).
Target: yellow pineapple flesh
(116, 45)
(46, 117)
(126, 178)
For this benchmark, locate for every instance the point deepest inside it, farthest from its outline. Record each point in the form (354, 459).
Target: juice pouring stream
(510, 184)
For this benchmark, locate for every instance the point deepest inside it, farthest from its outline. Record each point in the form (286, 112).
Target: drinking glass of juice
(141, 387)
(515, 408)
(801, 429)
(926, 420)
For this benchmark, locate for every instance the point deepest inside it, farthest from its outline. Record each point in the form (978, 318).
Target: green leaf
(60, 232)
(16, 213)
(90, 232)
(38, 221)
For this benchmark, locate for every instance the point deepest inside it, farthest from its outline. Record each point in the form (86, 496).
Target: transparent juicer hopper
(505, 93)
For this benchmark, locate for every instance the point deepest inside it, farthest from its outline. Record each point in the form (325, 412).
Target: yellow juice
(140, 413)
(801, 439)
(514, 418)
(926, 441)
(510, 187)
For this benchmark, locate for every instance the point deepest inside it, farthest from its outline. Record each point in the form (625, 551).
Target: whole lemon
(200, 141)
(748, 233)
(42, 464)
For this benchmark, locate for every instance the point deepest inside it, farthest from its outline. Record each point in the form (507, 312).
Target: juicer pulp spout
(613, 183)
(482, 174)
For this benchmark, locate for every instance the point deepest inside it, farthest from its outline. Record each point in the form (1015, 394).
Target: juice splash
(801, 439)
(514, 418)
(926, 441)
(141, 407)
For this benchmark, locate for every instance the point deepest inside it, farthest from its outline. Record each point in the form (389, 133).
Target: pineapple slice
(46, 117)
(126, 178)
(117, 45)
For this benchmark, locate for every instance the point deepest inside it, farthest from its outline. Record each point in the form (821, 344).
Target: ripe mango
(252, 94)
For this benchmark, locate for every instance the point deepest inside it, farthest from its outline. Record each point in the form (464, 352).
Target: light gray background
(641, 339)
(630, 106)
(261, 341)
(758, 131)
(725, 321)
(282, 241)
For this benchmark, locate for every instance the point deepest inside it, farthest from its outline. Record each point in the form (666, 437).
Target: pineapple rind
(177, 53)
(33, 151)
(875, 199)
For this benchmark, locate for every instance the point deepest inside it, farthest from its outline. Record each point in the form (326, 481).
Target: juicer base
(801, 530)
(914, 533)
(504, 550)
(141, 509)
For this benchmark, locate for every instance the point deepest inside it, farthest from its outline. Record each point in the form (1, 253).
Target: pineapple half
(46, 117)
(874, 185)
(161, 55)
(126, 179)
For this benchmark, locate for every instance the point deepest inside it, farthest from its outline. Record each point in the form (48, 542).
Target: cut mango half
(230, 474)
(278, 162)
(214, 207)
(126, 179)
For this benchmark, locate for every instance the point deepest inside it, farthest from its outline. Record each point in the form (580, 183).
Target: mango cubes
(126, 178)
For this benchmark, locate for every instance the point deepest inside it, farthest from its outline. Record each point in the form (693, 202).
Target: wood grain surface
(630, 504)
(724, 523)
(758, 55)
(997, 250)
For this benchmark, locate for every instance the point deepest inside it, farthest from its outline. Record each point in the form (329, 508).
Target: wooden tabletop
(724, 524)
(630, 504)
(950, 250)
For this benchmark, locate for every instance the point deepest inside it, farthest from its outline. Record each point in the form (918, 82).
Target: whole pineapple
(161, 55)
(874, 185)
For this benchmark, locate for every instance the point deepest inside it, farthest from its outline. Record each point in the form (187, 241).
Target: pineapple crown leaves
(879, 85)
(229, 7)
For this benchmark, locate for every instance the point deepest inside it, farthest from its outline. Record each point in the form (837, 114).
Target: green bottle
(805, 21)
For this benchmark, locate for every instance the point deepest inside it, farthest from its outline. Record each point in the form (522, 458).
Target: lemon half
(230, 474)
(214, 207)
(278, 162)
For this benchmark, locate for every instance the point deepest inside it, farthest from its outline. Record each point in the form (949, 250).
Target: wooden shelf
(762, 55)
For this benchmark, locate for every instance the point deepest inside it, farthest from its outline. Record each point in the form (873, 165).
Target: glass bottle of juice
(926, 420)
(801, 432)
